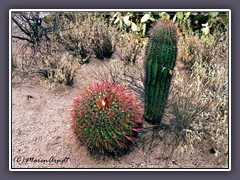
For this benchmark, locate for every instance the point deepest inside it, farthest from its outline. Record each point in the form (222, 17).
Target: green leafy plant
(133, 21)
(106, 117)
(202, 23)
(161, 54)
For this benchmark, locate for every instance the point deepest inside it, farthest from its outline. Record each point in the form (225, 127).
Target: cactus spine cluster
(161, 53)
(106, 117)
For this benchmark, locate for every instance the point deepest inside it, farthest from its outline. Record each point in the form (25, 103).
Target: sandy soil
(40, 133)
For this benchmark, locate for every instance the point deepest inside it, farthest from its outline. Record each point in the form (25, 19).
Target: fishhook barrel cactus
(106, 116)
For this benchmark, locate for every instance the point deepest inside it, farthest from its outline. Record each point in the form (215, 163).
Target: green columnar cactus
(161, 53)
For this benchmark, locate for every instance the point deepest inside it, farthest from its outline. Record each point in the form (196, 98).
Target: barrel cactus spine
(106, 117)
(161, 54)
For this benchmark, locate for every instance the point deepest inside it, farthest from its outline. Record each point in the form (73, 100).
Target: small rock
(29, 97)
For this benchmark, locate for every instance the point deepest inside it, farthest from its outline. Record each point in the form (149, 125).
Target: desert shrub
(22, 61)
(106, 117)
(88, 35)
(28, 26)
(103, 45)
(85, 35)
(199, 100)
(59, 68)
(193, 49)
(54, 65)
(130, 48)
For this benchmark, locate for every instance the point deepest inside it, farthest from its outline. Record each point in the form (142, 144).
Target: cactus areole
(161, 53)
(106, 117)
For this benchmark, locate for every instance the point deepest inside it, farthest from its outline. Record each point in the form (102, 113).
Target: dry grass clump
(130, 48)
(57, 66)
(21, 61)
(86, 35)
(199, 100)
